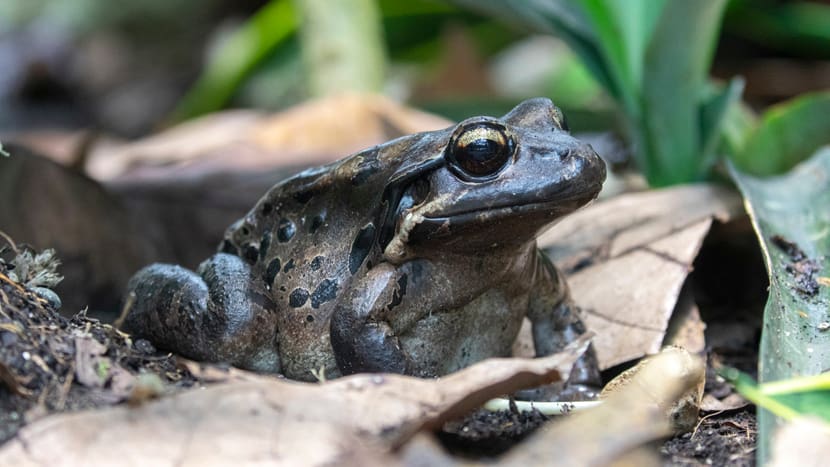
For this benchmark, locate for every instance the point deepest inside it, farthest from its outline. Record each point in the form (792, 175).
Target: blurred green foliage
(650, 58)
(235, 59)
(785, 135)
(85, 16)
(653, 58)
(799, 28)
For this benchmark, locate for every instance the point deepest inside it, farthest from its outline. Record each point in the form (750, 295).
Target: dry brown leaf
(627, 419)
(732, 401)
(346, 421)
(683, 412)
(686, 328)
(213, 373)
(313, 132)
(88, 361)
(627, 258)
(95, 370)
(615, 226)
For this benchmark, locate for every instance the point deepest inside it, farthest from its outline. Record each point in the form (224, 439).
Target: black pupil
(482, 156)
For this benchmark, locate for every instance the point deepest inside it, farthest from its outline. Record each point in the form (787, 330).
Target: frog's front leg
(556, 323)
(361, 335)
(215, 315)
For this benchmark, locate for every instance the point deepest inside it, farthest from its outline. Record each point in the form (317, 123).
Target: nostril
(562, 154)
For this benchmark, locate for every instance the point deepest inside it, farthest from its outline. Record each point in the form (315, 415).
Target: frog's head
(495, 182)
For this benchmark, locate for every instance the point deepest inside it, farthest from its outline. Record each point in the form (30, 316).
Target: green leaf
(713, 115)
(557, 17)
(787, 399)
(738, 124)
(788, 133)
(255, 41)
(797, 28)
(750, 390)
(652, 57)
(676, 70)
(791, 218)
(622, 30)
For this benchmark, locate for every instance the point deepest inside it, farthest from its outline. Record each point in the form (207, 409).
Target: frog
(417, 256)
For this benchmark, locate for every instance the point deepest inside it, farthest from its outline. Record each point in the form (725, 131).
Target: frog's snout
(592, 165)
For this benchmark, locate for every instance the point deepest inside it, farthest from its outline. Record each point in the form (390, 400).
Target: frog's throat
(397, 251)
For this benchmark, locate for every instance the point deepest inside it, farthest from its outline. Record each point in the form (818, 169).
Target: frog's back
(305, 240)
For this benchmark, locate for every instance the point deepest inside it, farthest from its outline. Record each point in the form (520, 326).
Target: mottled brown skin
(417, 256)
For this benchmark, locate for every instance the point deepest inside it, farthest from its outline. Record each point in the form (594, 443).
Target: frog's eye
(480, 150)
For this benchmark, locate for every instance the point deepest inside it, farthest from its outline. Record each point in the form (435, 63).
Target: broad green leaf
(637, 21)
(622, 29)
(787, 134)
(676, 69)
(237, 58)
(750, 390)
(786, 399)
(739, 122)
(713, 114)
(791, 218)
(557, 17)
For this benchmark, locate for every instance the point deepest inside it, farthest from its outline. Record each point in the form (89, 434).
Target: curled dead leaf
(349, 420)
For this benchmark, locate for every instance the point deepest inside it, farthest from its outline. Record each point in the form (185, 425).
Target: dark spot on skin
(250, 253)
(317, 262)
(271, 271)
(368, 166)
(327, 290)
(316, 223)
(304, 196)
(264, 244)
(228, 247)
(245, 230)
(400, 291)
(286, 230)
(361, 246)
(309, 318)
(298, 297)
(369, 265)
(289, 265)
(416, 270)
(282, 288)
(266, 208)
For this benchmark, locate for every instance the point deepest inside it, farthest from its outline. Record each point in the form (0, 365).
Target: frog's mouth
(494, 225)
(546, 210)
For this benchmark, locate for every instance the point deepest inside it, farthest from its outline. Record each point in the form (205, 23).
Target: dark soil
(720, 439)
(49, 363)
(486, 433)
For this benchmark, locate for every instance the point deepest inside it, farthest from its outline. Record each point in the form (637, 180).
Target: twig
(128, 305)
(547, 408)
(10, 241)
(67, 383)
